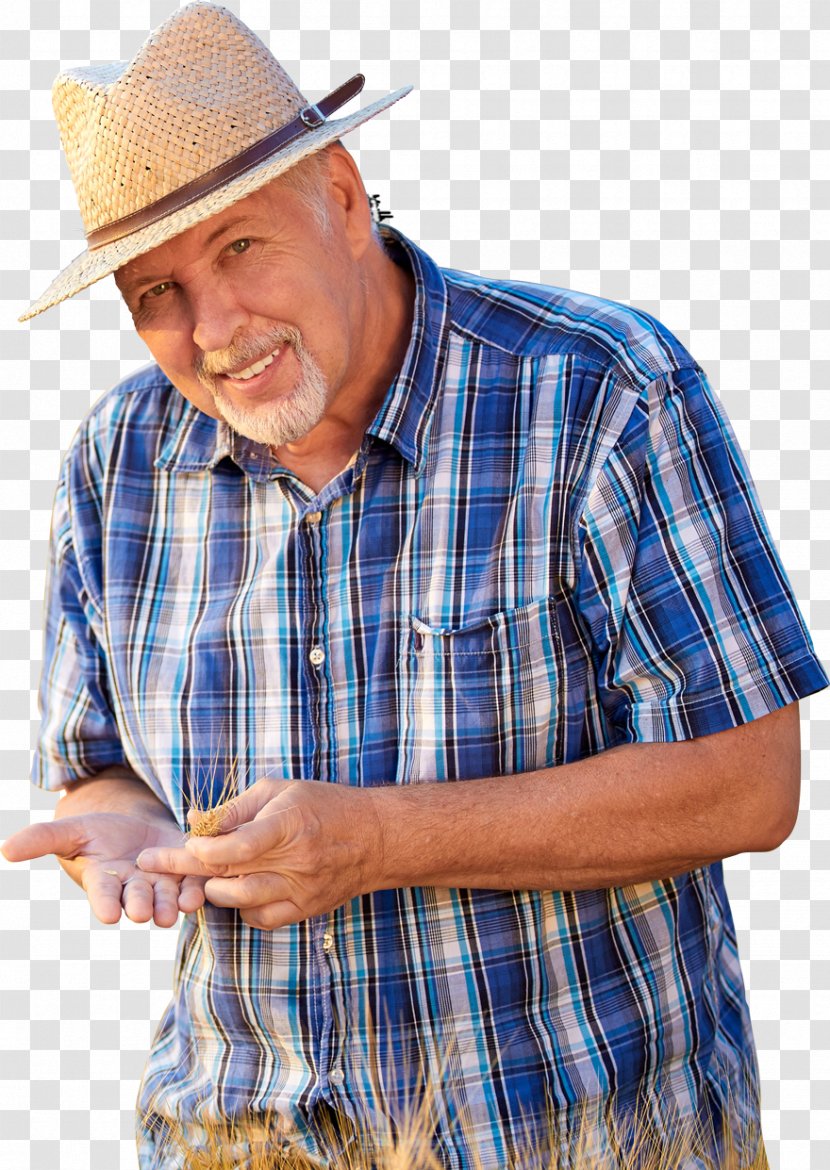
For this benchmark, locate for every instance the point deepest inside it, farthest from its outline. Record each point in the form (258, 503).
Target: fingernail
(142, 859)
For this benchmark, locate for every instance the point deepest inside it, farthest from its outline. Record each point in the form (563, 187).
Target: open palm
(98, 850)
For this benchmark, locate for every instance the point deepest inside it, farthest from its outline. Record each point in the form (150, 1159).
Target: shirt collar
(406, 413)
(198, 442)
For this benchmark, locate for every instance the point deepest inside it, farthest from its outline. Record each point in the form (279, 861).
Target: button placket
(313, 533)
(311, 539)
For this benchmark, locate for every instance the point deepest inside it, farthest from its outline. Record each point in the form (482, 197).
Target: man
(369, 528)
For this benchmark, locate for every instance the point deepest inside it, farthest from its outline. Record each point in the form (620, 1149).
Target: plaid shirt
(549, 544)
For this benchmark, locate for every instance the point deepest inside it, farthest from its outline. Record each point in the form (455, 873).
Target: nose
(217, 315)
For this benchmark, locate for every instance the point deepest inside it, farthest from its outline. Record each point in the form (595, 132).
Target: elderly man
(368, 529)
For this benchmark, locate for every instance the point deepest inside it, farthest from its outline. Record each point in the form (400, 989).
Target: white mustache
(208, 366)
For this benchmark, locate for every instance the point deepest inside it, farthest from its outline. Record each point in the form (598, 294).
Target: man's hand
(99, 850)
(286, 851)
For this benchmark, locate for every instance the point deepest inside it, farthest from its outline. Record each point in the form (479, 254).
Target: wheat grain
(211, 817)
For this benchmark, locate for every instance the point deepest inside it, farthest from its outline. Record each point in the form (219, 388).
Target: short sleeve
(78, 736)
(693, 622)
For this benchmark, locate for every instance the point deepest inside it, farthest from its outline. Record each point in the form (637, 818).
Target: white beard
(288, 418)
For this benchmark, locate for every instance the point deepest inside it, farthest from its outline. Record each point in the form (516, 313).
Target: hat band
(311, 117)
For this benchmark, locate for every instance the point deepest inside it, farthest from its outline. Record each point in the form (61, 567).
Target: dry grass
(597, 1141)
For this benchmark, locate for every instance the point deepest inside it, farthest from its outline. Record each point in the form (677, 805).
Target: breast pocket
(481, 699)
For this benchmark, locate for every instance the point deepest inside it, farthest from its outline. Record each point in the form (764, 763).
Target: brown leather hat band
(309, 118)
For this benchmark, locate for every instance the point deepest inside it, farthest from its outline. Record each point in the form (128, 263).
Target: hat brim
(92, 266)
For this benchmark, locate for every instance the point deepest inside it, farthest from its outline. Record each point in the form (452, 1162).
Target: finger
(137, 898)
(103, 889)
(165, 859)
(241, 852)
(250, 891)
(65, 837)
(191, 894)
(274, 916)
(165, 900)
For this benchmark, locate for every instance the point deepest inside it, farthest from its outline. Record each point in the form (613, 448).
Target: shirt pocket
(483, 698)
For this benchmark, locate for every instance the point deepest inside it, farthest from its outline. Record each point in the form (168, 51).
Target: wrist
(411, 831)
(116, 790)
(378, 844)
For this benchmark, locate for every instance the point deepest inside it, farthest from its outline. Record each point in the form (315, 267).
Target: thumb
(242, 850)
(238, 811)
(65, 837)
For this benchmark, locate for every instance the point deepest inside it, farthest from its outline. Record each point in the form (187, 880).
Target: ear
(348, 195)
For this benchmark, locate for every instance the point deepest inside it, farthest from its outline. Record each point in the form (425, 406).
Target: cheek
(314, 299)
(169, 347)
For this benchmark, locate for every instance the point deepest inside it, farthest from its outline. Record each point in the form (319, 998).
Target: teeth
(256, 368)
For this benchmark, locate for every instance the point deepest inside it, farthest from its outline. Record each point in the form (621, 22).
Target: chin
(274, 424)
(288, 416)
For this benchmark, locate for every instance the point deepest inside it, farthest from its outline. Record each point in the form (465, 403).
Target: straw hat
(202, 116)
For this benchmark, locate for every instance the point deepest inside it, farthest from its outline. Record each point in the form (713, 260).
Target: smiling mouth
(253, 370)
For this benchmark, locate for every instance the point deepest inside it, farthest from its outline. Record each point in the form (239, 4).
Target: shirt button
(317, 656)
(336, 1076)
(313, 517)
(328, 941)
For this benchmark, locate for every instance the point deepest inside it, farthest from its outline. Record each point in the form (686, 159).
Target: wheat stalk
(651, 1137)
(240, 1145)
(210, 815)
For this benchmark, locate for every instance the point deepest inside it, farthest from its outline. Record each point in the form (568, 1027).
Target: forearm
(634, 813)
(539, 830)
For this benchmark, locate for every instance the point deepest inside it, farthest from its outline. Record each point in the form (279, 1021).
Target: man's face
(251, 313)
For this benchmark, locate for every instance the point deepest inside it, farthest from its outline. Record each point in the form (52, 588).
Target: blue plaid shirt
(548, 544)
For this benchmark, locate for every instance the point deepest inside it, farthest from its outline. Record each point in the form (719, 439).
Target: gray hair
(309, 178)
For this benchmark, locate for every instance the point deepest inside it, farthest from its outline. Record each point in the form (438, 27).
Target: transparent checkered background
(673, 155)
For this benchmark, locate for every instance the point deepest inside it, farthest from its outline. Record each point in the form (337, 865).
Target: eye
(158, 290)
(239, 246)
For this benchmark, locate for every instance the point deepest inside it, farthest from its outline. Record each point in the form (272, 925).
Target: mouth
(253, 377)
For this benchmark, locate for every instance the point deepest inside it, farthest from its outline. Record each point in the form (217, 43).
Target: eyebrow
(233, 223)
(130, 285)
